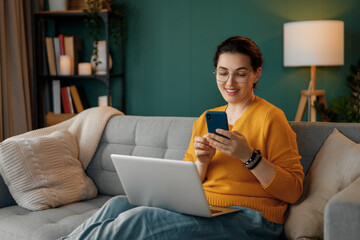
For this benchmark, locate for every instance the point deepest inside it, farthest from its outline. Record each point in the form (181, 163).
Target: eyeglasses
(223, 76)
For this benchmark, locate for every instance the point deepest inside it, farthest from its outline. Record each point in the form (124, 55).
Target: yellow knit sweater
(229, 183)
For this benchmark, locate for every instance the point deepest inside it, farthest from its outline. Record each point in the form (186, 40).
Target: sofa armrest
(342, 214)
(5, 197)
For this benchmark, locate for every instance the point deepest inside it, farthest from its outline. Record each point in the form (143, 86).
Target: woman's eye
(241, 75)
(223, 73)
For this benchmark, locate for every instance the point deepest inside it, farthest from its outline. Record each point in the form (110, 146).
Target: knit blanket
(86, 127)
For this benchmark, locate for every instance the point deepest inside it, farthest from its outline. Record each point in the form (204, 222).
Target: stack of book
(68, 99)
(62, 45)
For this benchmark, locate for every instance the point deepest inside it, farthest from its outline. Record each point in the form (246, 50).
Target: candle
(84, 68)
(65, 65)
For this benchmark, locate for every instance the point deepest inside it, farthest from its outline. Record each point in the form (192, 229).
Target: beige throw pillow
(45, 172)
(336, 165)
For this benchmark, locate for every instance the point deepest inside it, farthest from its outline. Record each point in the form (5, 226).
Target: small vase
(100, 69)
(58, 5)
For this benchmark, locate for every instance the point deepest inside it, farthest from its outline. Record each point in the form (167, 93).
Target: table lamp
(313, 43)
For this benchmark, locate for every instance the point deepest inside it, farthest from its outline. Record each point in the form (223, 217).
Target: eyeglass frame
(227, 79)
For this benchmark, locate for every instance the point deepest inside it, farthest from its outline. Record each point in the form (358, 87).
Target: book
(50, 55)
(83, 97)
(57, 54)
(78, 52)
(76, 99)
(73, 48)
(56, 96)
(52, 118)
(61, 44)
(66, 100)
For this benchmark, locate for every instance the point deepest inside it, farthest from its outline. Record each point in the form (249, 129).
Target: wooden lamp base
(311, 95)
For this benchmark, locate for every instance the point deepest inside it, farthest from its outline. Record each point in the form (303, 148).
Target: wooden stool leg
(301, 108)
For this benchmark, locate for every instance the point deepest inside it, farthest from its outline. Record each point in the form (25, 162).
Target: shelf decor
(99, 62)
(65, 65)
(58, 5)
(84, 68)
(94, 22)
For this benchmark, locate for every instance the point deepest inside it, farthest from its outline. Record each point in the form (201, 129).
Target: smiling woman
(254, 167)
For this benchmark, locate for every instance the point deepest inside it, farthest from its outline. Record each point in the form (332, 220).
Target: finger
(224, 132)
(219, 146)
(199, 145)
(237, 133)
(201, 140)
(218, 138)
(202, 153)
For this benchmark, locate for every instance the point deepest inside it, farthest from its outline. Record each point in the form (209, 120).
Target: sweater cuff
(278, 184)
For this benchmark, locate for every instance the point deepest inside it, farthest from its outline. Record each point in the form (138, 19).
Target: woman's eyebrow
(241, 68)
(238, 69)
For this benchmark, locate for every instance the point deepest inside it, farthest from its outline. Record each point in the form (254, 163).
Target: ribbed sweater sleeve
(282, 151)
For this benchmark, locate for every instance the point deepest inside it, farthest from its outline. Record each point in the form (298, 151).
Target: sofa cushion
(336, 165)
(44, 172)
(160, 137)
(17, 223)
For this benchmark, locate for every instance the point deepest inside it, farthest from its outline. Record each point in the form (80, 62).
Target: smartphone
(215, 120)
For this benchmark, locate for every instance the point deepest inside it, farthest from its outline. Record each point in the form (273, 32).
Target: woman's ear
(257, 74)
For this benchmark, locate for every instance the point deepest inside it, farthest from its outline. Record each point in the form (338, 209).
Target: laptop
(169, 184)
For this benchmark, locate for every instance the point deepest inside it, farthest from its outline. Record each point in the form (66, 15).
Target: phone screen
(215, 120)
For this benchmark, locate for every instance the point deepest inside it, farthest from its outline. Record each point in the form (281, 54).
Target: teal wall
(170, 45)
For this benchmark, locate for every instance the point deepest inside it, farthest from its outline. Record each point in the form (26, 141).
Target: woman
(255, 169)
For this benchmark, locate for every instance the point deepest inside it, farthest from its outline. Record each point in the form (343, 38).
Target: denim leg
(111, 210)
(155, 223)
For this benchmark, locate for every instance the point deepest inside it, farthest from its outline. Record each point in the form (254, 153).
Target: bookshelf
(43, 79)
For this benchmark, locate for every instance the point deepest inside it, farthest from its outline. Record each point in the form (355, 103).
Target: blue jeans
(118, 219)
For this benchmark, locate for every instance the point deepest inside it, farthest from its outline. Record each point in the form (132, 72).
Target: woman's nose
(231, 80)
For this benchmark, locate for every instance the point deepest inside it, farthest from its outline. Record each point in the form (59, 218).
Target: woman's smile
(232, 91)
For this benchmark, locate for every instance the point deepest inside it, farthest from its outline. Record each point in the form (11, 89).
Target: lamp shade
(318, 43)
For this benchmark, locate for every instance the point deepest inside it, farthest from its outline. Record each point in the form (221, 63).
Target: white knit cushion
(44, 172)
(336, 165)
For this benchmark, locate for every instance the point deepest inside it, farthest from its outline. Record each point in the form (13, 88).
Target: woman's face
(241, 76)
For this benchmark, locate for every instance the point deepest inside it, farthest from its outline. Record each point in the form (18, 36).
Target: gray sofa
(167, 137)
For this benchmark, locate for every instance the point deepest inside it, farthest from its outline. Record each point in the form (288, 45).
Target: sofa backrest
(159, 137)
(311, 136)
(168, 137)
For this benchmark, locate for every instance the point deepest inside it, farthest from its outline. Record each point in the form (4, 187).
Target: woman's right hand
(203, 151)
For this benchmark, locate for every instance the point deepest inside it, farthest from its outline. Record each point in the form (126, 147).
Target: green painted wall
(170, 45)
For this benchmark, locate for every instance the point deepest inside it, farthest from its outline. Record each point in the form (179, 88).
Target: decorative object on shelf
(77, 4)
(65, 65)
(103, 101)
(98, 59)
(94, 22)
(84, 68)
(313, 43)
(58, 5)
(346, 108)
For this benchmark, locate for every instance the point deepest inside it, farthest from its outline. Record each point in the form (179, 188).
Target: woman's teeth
(232, 90)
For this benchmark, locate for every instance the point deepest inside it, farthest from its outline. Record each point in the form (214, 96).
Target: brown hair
(242, 45)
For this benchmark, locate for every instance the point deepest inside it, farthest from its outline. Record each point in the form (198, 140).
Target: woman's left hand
(236, 146)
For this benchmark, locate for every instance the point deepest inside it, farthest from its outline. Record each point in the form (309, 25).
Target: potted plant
(344, 109)
(94, 23)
